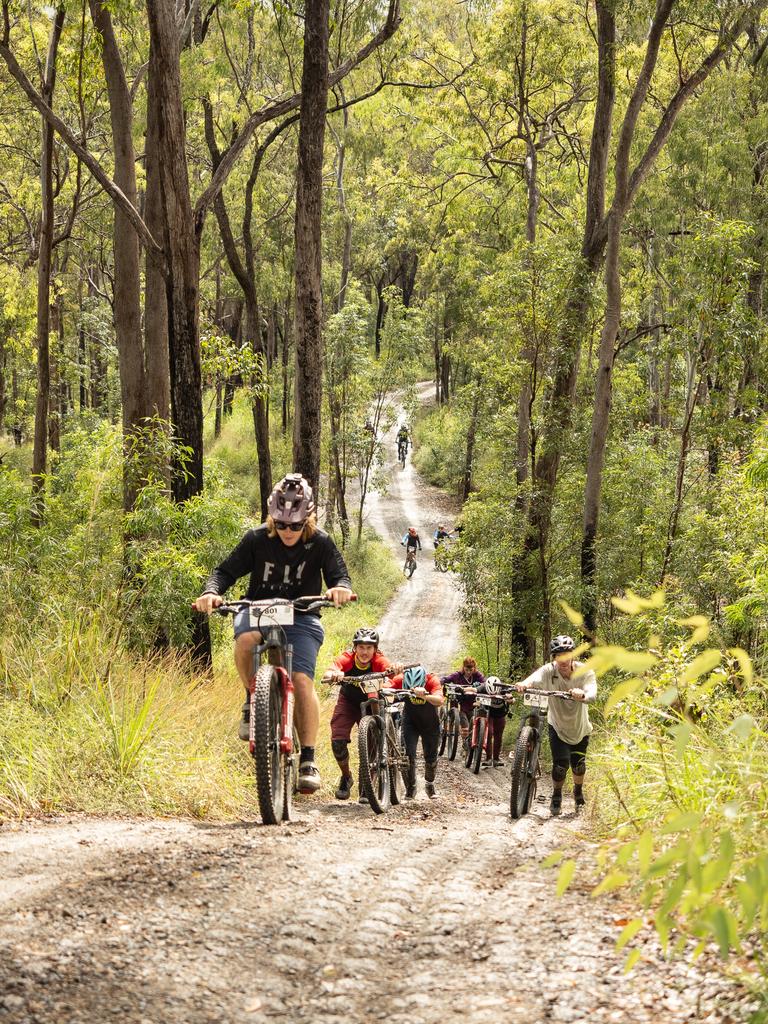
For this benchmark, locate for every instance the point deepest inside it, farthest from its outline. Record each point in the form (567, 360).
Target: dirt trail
(436, 912)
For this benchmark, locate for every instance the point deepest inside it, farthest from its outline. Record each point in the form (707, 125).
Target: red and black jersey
(349, 666)
(422, 715)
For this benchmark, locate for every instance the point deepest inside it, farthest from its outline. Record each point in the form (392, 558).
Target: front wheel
(454, 732)
(272, 767)
(443, 718)
(479, 747)
(523, 773)
(374, 775)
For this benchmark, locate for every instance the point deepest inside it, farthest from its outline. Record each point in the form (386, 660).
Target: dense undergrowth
(100, 708)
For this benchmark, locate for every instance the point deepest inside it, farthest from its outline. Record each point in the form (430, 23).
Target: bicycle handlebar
(562, 694)
(315, 601)
(369, 676)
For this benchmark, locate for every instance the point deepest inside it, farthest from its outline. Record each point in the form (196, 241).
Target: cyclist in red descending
(364, 657)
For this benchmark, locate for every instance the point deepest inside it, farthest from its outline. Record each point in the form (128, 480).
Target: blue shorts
(306, 634)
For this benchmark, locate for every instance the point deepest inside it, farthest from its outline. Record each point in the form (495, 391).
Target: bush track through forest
(437, 911)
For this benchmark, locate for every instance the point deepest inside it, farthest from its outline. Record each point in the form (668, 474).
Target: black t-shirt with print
(276, 570)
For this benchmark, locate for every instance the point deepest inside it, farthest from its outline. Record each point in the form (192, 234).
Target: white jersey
(569, 718)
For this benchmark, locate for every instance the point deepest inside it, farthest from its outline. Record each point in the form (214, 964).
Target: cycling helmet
(493, 684)
(291, 501)
(561, 645)
(412, 530)
(366, 635)
(413, 677)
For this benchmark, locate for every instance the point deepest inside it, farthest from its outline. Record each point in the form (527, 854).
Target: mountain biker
(411, 540)
(568, 721)
(403, 440)
(364, 657)
(468, 678)
(420, 721)
(497, 719)
(440, 535)
(286, 557)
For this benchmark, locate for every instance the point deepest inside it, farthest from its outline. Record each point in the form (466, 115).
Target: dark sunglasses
(293, 527)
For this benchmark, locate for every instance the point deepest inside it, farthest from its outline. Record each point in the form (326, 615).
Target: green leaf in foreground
(629, 931)
(631, 960)
(565, 877)
(613, 880)
(723, 924)
(553, 859)
(619, 693)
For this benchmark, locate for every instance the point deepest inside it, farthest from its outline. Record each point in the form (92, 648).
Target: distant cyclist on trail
(364, 657)
(420, 722)
(411, 540)
(288, 556)
(569, 724)
(440, 534)
(403, 441)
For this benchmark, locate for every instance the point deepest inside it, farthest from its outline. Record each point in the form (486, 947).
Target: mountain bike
(450, 722)
(526, 767)
(479, 745)
(383, 765)
(402, 451)
(409, 567)
(273, 742)
(443, 555)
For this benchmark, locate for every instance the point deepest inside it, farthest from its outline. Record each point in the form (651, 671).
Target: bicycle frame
(280, 656)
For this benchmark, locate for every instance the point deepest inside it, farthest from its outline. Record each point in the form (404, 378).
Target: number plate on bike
(271, 613)
(536, 700)
(485, 701)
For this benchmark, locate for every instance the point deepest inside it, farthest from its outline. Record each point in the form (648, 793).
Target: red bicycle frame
(286, 721)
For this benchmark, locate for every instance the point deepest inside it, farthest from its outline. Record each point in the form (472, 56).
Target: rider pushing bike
(420, 721)
(285, 557)
(568, 720)
(468, 678)
(364, 657)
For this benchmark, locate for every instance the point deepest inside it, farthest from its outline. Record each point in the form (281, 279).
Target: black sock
(577, 789)
(307, 754)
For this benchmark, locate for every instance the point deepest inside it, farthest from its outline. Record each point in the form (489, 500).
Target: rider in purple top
(469, 678)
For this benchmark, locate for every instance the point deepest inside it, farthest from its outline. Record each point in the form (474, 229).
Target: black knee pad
(578, 764)
(430, 768)
(340, 751)
(559, 772)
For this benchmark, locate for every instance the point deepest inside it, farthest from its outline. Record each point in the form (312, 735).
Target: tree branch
(113, 191)
(281, 107)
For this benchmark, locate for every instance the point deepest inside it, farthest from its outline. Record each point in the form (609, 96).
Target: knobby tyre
(470, 752)
(482, 728)
(523, 772)
(454, 732)
(443, 730)
(272, 768)
(394, 761)
(373, 776)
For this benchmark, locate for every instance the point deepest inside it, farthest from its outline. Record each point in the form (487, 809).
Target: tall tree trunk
(286, 402)
(600, 420)
(127, 307)
(40, 448)
(82, 350)
(181, 246)
(308, 229)
(466, 483)
(260, 408)
(156, 351)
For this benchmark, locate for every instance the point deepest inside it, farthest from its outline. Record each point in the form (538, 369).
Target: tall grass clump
(681, 798)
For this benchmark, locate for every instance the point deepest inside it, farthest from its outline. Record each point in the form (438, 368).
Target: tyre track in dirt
(438, 911)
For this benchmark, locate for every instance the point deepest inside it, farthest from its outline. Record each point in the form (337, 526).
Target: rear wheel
(374, 777)
(454, 732)
(470, 749)
(482, 728)
(272, 766)
(523, 773)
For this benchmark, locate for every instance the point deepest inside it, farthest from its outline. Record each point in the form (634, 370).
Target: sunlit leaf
(565, 877)
(629, 932)
(612, 881)
(682, 734)
(742, 727)
(681, 823)
(553, 859)
(745, 663)
(702, 664)
(574, 617)
(619, 693)
(701, 626)
(631, 960)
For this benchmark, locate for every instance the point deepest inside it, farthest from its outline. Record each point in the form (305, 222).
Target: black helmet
(366, 635)
(561, 645)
